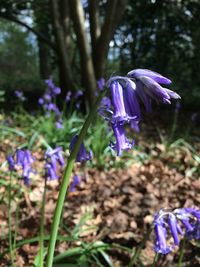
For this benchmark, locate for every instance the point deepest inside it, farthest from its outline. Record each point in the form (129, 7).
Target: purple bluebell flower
(78, 105)
(41, 101)
(53, 90)
(161, 235)
(53, 157)
(20, 95)
(173, 222)
(19, 157)
(51, 172)
(74, 183)
(78, 94)
(149, 83)
(27, 170)
(101, 84)
(68, 96)
(11, 162)
(122, 143)
(47, 97)
(59, 124)
(57, 153)
(82, 155)
(49, 83)
(25, 159)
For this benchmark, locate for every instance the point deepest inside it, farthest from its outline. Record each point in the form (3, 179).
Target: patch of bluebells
(175, 224)
(23, 159)
(126, 93)
(53, 159)
(48, 102)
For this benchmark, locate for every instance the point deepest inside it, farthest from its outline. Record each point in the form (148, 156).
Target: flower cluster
(126, 92)
(23, 159)
(53, 157)
(77, 97)
(82, 155)
(49, 99)
(173, 222)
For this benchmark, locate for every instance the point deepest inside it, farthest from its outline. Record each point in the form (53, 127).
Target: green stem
(41, 262)
(17, 217)
(66, 180)
(180, 260)
(155, 260)
(10, 220)
(139, 248)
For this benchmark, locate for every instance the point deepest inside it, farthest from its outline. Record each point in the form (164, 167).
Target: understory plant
(119, 105)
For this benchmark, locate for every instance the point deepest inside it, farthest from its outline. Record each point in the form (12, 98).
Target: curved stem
(42, 225)
(155, 260)
(66, 180)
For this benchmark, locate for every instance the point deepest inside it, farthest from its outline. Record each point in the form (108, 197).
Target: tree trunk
(63, 55)
(87, 69)
(114, 12)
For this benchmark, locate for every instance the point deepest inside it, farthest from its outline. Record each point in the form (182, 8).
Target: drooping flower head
(175, 223)
(125, 93)
(148, 87)
(82, 155)
(24, 159)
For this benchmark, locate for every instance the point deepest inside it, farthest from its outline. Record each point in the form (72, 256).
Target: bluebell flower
(24, 159)
(125, 92)
(11, 162)
(148, 87)
(161, 235)
(122, 142)
(50, 171)
(175, 223)
(53, 157)
(41, 101)
(82, 155)
(68, 96)
(78, 94)
(20, 95)
(101, 84)
(75, 182)
(59, 124)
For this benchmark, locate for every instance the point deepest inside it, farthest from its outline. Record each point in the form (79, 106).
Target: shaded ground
(122, 202)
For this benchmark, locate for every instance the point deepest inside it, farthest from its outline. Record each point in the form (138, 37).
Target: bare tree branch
(95, 27)
(87, 69)
(63, 55)
(39, 34)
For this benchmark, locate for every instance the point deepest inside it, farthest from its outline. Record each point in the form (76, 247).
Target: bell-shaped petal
(137, 73)
(122, 143)
(173, 227)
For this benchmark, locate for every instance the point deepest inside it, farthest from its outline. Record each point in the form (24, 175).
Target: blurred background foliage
(41, 38)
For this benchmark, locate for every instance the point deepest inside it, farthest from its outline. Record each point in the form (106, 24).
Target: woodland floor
(122, 202)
